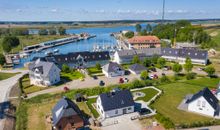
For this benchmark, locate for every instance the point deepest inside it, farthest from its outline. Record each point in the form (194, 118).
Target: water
(102, 38)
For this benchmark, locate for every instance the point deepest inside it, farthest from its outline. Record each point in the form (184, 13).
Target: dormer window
(189, 53)
(195, 54)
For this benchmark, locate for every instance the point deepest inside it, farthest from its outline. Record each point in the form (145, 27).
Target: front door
(124, 111)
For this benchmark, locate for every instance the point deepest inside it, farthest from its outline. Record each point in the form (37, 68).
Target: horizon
(114, 10)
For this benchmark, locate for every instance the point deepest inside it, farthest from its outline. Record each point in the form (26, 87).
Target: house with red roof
(140, 42)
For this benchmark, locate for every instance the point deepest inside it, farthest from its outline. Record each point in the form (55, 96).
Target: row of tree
(25, 31)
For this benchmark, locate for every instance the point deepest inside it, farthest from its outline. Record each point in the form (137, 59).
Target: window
(198, 103)
(129, 108)
(116, 111)
(203, 104)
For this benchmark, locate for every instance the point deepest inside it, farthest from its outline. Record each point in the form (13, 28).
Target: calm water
(102, 38)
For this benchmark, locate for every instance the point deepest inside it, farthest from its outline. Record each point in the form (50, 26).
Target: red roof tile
(144, 39)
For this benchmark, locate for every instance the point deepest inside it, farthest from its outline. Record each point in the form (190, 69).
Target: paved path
(6, 85)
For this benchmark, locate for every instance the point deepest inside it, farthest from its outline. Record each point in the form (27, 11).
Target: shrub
(137, 84)
(164, 79)
(66, 68)
(190, 76)
(167, 123)
(144, 75)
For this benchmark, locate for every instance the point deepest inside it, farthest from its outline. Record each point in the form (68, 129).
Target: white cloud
(54, 10)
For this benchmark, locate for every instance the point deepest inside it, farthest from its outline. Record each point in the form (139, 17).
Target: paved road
(5, 86)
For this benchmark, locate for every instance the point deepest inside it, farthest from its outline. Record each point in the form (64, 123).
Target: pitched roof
(73, 57)
(208, 95)
(42, 67)
(192, 53)
(116, 100)
(146, 52)
(112, 67)
(137, 67)
(64, 108)
(144, 39)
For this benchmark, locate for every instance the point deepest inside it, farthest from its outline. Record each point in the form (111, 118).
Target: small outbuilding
(137, 69)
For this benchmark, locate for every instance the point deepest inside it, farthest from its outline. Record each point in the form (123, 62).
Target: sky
(98, 10)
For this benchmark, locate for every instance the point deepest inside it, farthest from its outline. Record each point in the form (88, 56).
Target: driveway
(5, 86)
(124, 122)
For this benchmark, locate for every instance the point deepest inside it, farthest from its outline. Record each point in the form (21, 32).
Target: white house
(203, 102)
(43, 73)
(113, 69)
(217, 93)
(115, 103)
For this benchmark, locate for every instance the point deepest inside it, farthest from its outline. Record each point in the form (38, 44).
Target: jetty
(54, 43)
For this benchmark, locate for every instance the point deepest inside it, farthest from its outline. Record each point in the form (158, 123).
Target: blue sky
(91, 10)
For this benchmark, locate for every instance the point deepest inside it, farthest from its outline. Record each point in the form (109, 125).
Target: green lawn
(215, 34)
(93, 110)
(27, 88)
(94, 71)
(31, 40)
(72, 75)
(4, 76)
(174, 94)
(149, 93)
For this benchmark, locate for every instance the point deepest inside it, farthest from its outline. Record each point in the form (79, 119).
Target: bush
(144, 75)
(98, 66)
(129, 34)
(164, 79)
(190, 76)
(167, 123)
(2, 59)
(137, 84)
(66, 68)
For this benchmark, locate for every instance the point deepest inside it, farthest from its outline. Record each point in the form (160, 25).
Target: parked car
(153, 69)
(201, 69)
(66, 89)
(163, 74)
(121, 80)
(126, 80)
(101, 83)
(95, 77)
(166, 68)
(153, 76)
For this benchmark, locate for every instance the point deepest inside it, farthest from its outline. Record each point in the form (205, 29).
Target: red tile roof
(144, 39)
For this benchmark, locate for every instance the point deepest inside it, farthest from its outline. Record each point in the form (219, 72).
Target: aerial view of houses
(109, 65)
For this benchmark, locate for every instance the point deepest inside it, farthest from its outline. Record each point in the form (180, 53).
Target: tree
(147, 62)
(19, 31)
(183, 23)
(2, 59)
(62, 31)
(135, 59)
(154, 59)
(98, 66)
(144, 75)
(161, 61)
(52, 31)
(143, 33)
(129, 34)
(9, 42)
(138, 27)
(210, 70)
(188, 65)
(43, 32)
(177, 68)
(149, 28)
(66, 68)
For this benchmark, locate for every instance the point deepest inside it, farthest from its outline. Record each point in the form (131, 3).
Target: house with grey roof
(113, 69)
(171, 54)
(66, 115)
(137, 69)
(204, 102)
(43, 73)
(115, 103)
(180, 55)
(126, 56)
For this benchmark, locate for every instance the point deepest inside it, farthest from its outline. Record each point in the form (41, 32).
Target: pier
(54, 43)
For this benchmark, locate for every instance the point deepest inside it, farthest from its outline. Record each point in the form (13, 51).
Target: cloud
(19, 10)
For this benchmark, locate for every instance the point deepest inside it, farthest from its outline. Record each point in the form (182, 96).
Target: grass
(92, 109)
(72, 75)
(83, 107)
(37, 114)
(149, 94)
(175, 92)
(4, 76)
(31, 40)
(94, 71)
(28, 88)
(215, 34)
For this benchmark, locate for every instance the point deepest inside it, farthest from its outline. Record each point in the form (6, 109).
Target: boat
(56, 50)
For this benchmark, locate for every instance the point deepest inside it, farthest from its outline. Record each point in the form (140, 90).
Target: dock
(54, 43)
